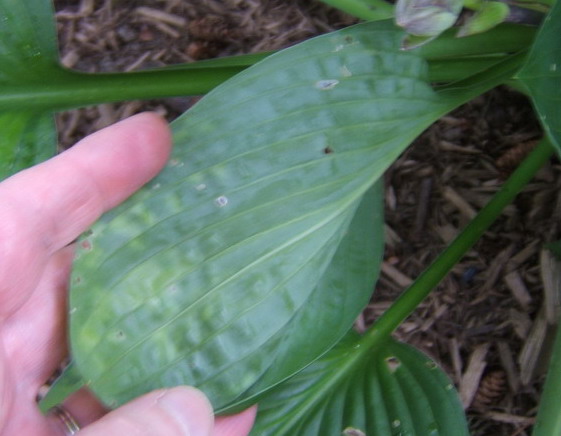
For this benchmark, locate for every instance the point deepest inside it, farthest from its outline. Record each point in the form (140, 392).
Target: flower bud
(427, 18)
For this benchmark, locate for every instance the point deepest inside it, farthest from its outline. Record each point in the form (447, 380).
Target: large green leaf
(542, 75)
(28, 54)
(355, 266)
(209, 275)
(393, 390)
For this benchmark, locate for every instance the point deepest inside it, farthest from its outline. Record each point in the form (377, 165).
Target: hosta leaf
(393, 390)
(28, 55)
(542, 75)
(354, 267)
(27, 139)
(28, 44)
(208, 275)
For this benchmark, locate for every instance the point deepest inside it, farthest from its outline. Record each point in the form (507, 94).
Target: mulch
(490, 323)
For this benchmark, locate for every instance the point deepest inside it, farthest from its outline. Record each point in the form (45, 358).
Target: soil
(485, 324)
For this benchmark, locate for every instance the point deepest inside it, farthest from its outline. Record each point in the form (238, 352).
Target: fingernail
(190, 409)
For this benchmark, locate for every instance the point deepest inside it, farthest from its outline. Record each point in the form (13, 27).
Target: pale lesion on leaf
(351, 431)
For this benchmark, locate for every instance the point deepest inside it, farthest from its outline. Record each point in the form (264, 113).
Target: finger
(179, 411)
(235, 425)
(84, 407)
(6, 392)
(44, 208)
(67, 193)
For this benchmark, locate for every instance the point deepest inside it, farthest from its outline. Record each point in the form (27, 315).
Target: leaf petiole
(371, 10)
(67, 383)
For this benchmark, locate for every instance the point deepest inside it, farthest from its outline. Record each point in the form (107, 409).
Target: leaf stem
(74, 89)
(370, 10)
(67, 383)
(453, 69)
(420, 289)
(505, 38)
(450, 58)
(71, 89)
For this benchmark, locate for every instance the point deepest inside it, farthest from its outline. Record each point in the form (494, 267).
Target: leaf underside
(394, 390)
(542, 75)
(210, 275)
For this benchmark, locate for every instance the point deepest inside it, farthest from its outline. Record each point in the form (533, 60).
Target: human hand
(42, 210)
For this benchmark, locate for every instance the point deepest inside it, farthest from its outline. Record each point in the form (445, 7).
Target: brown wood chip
(508, 364)
(530, 353)
(459, 202)
(396, 275)
(469, 382)
(158, 15)
(519, 290)
(550, 269)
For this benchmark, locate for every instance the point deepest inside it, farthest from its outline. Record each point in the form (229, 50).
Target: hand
(42, 210)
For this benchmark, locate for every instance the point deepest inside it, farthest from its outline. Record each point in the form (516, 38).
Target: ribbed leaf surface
(542, 75)
(28, 55)
(27, 41)
(27, 139)
(395, 390)
(208, 275)
(342, 292)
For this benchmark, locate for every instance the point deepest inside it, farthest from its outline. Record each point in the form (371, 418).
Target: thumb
(181, 411)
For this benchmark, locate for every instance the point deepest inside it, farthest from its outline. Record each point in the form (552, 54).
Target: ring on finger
(68, 422)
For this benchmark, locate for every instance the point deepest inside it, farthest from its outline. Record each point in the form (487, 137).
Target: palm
(43, 210)
(34, 345)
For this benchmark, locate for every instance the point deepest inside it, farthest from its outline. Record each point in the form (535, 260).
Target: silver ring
(68, 422)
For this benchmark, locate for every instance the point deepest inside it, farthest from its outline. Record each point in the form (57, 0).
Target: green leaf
(28, 44)
(542, 75)
(548, 421)
(393, 390)
(61, 388)
(27, 138)
(555, 248)
(205, 275)
(355, 266)
(28, 53)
